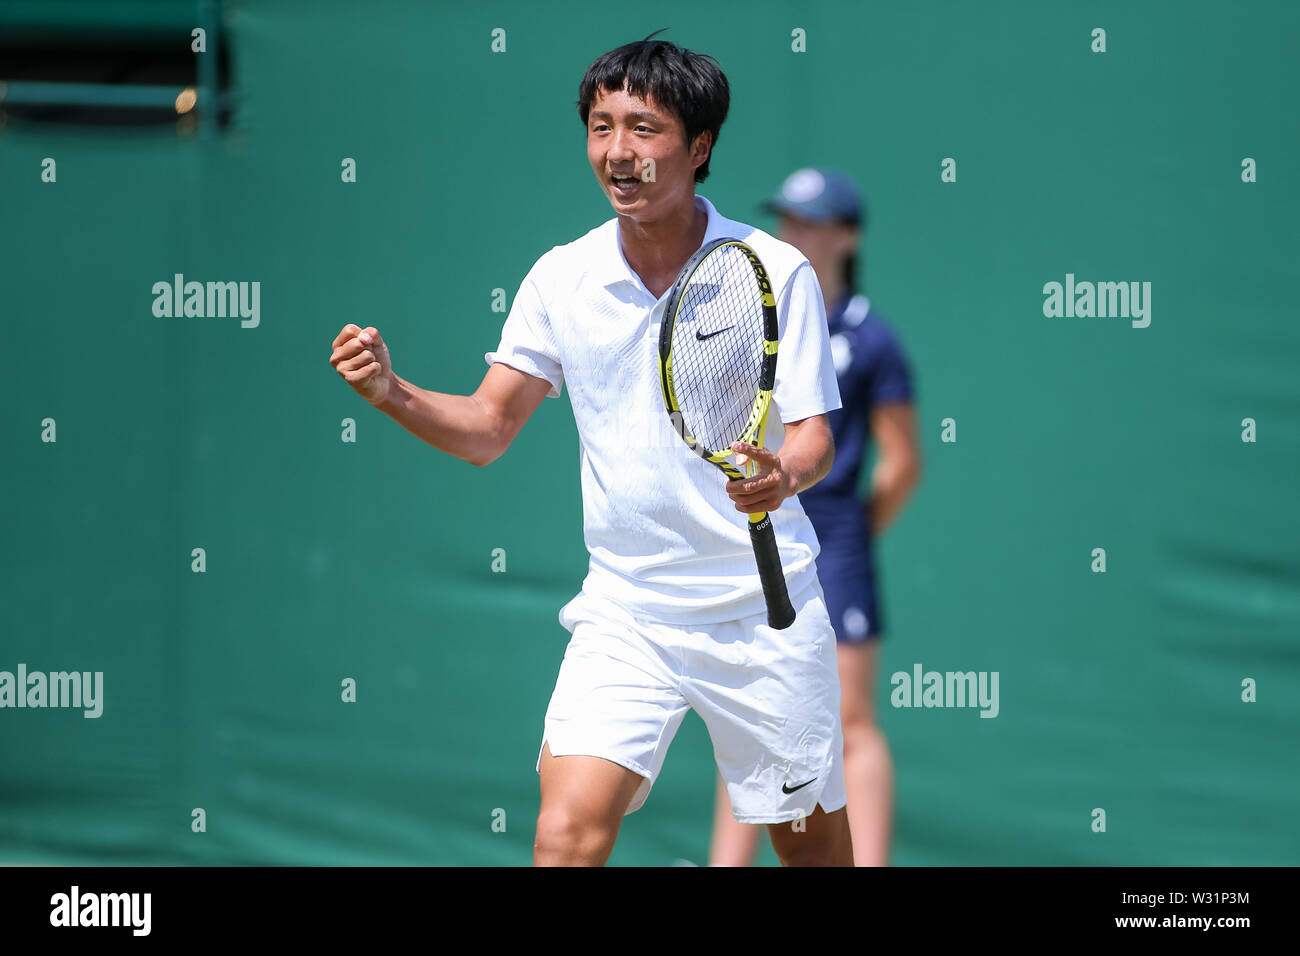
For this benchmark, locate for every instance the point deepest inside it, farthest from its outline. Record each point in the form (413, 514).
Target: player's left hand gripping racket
(717, 367)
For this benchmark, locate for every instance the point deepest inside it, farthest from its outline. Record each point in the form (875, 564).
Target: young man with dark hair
(671, 614)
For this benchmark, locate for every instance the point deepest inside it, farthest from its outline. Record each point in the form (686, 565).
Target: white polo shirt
(665, 539)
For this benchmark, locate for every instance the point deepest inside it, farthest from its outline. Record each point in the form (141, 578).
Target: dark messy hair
(851, 260)
(691, 85)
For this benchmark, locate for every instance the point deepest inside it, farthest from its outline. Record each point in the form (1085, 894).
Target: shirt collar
(613, 268)
(850, 312)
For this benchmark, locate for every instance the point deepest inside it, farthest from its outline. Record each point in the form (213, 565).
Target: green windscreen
(200, 510)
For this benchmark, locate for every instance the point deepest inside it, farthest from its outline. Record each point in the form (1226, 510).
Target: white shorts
(770, 700)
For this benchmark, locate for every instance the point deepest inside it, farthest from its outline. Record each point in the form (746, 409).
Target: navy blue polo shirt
(872, 370)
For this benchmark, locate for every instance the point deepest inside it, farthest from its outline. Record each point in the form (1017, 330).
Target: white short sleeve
(805, 374)
(528, 342)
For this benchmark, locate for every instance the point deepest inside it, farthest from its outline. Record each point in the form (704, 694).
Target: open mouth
(625, 185)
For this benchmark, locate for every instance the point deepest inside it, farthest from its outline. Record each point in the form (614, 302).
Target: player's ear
(701, 148)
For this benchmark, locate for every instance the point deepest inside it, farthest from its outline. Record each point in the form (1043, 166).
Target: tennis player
(822, 215)
(671, 615)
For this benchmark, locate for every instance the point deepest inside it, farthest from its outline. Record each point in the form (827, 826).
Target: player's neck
(657, 249)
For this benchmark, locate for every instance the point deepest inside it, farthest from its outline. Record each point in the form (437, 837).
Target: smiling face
(640, 156)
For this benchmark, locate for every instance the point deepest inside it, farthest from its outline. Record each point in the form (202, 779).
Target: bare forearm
(807, 456)
(891, 486)
(456, 424)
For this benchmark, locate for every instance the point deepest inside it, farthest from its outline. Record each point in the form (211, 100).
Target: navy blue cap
(818, 194)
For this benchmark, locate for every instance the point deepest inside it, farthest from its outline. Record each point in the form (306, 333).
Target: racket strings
(717, 349)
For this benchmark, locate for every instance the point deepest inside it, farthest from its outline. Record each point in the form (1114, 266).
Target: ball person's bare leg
(733, 844)
(868, 767)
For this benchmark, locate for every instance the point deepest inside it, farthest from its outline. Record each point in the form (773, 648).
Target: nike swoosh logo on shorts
(785, 788)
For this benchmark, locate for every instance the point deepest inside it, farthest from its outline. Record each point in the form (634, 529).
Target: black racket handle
(780, 612)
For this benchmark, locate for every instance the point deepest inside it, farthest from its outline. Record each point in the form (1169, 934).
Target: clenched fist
(361, 357)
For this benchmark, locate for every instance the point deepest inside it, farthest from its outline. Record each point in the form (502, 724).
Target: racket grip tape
(780, 612)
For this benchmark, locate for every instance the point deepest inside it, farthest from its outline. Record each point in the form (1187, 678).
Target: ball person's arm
(898, 463)
(476, 428)
(805, 458)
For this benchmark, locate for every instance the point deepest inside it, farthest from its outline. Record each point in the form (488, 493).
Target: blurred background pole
(207, 72)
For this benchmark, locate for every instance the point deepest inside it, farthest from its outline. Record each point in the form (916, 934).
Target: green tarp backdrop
(999, 148)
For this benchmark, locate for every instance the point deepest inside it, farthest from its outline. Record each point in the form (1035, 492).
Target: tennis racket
(717, 367)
